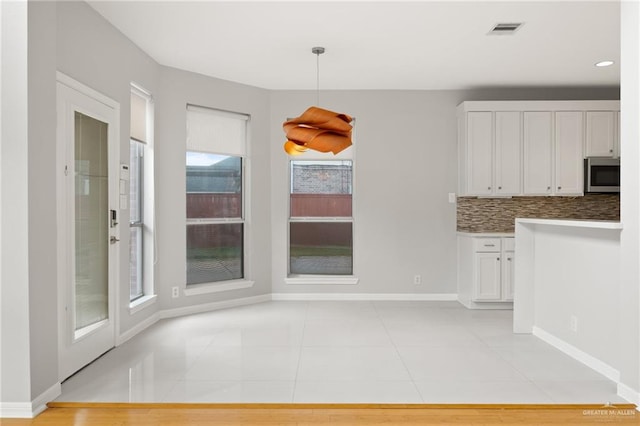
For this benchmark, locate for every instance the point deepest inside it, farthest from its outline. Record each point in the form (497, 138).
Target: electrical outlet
(417, 279)
(175, 292)
(573, 323)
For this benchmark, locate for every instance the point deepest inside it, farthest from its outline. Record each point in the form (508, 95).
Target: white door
(508, 153)
(538, 152)
(87, 147)
(569, 157)
(480, 152)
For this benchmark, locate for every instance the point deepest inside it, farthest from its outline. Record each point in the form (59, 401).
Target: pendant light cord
(318, 78)
(317, 51)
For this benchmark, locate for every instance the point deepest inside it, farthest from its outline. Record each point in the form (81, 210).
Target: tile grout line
(497, 354)
(304, 327)
(395, 347)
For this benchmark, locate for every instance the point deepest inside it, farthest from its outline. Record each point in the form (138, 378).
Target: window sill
(321, 280)
(139, 304)
(196, 289)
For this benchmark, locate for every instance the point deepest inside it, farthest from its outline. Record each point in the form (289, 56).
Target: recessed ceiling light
(604, 63)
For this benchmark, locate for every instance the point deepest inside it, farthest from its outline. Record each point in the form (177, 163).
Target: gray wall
(177, 89)
(405, 164)
(42, 197)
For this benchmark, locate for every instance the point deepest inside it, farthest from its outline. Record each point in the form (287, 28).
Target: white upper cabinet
(491, 153)
(480, 153)
(509, 148)
(568, 153)
(538, 152)
(508, 153)
(601, 134)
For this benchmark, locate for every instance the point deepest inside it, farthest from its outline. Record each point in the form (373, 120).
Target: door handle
(113, 240)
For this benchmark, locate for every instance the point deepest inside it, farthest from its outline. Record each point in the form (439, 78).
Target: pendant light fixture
(318, 129)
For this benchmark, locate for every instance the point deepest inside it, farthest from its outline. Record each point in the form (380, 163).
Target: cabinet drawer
(486, 244)
(509, 244)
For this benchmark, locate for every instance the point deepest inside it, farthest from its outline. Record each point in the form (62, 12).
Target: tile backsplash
(499, 214)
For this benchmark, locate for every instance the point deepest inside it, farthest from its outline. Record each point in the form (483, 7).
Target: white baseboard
(39, 404)
(206, 307)
(577, 354)
(366, 296)
(631, 395)
(28, 410)
(138, 328)
(15, 410)
(486, 305)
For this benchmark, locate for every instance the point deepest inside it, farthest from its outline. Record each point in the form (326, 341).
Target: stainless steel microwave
(601, 174)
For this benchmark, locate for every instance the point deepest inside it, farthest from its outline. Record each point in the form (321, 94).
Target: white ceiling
(378, 45)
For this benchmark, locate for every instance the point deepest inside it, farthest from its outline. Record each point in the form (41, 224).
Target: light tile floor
(359, 352)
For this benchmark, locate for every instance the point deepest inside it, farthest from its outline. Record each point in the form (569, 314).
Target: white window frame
(149, 248)
(299, 279)
(245, 281)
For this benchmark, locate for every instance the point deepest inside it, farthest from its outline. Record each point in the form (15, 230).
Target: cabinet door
(600, 134)
(569, 158)
(508, 269)
(479, 153)
(538, 152)
(508, 145)
(487, 276)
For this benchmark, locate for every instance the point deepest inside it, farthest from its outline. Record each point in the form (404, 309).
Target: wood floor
(104, 414)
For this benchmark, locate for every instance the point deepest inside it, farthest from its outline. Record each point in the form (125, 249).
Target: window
(321, 218)
(215, 163)
(141, 254)
(136, 205)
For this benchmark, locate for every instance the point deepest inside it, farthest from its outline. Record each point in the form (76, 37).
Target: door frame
(62, 210)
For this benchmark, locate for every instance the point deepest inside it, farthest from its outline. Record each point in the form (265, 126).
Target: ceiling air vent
(504, 29)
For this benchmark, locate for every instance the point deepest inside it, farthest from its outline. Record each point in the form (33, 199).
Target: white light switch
(452, 197)
(123, 202)
(123, 186)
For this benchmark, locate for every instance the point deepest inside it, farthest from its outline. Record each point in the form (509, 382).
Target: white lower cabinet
(508, 261)
(487, 277)
(485, 271)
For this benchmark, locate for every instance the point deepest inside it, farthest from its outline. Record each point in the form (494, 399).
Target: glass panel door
(91, 289)
(87, 233)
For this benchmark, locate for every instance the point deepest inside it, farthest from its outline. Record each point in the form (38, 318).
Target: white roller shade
(138, 117)
(221, 132)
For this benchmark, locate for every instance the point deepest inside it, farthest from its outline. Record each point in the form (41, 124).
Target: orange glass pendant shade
(318, 129)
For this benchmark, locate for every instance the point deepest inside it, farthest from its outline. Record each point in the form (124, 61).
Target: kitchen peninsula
(567, 281)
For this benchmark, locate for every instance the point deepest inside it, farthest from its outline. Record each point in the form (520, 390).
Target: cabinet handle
(611, 151)
(489, 245)
(499, 187)
(559, 187)
(497, 258)
(489, 188)
(509, 259)
(548, 188)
